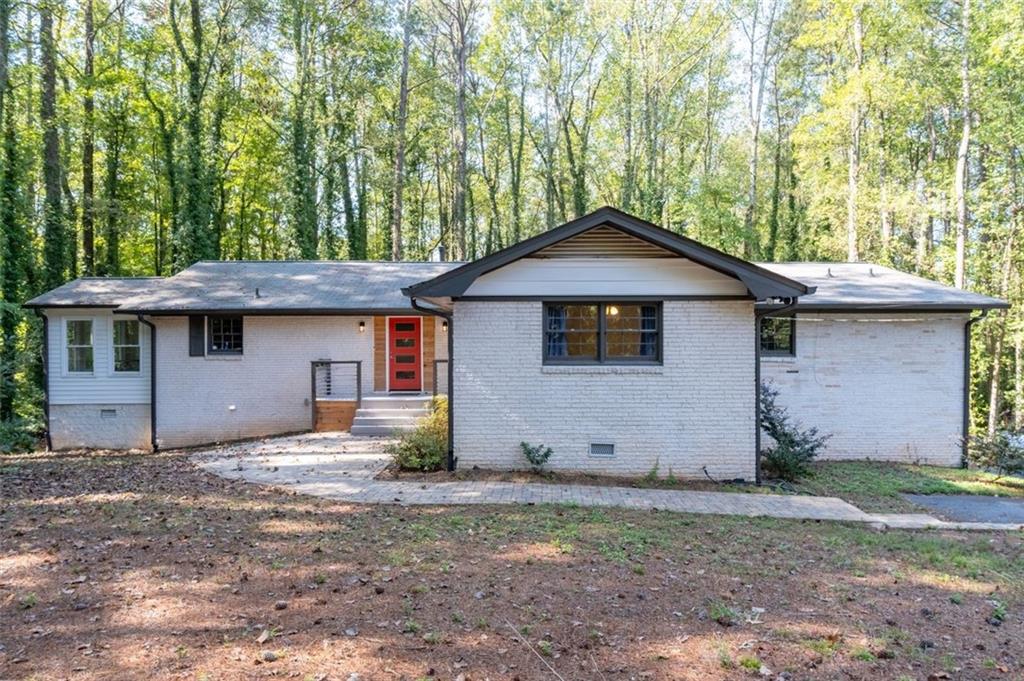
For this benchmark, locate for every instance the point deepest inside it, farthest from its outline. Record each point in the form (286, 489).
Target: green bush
(16, 436)
(537, 455)
(426, 447)
(790, 450)
(1001, 452)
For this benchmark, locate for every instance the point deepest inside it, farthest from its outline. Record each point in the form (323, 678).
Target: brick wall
(886, 390)
(101, 426)
(264, 391)
(696, 410)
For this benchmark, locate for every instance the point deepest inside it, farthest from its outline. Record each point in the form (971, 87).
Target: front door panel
(404, 353)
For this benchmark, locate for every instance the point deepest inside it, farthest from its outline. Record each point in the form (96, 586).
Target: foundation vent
(603, 450)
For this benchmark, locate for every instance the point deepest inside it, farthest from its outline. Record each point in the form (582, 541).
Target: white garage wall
(886, 390)
(696, 410)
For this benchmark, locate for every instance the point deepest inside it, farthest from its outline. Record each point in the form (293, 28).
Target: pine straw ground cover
(127, 567)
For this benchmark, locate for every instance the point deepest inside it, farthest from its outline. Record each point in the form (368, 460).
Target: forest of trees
(139, 136)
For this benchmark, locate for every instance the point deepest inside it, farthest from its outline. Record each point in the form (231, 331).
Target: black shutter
(196, 335)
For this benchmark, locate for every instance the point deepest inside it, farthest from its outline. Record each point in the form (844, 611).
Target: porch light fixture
(362, 327)
(612, 310)
(444, 326)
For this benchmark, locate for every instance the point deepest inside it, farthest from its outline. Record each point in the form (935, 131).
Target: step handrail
(316, 363)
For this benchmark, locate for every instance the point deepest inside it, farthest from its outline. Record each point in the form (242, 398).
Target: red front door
(404, 353)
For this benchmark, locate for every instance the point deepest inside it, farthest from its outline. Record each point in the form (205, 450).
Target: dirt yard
(128, 567)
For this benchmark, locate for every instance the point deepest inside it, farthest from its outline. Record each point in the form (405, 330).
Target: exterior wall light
(444, 326)
(362, 327)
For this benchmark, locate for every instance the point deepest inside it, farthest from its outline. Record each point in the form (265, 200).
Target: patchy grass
(877, 486)
(141, 566)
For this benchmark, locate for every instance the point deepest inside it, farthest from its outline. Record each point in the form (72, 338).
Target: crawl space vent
(108, 413)
(602, 449)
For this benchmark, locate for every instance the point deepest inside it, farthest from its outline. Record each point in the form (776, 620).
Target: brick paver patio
(340, 466)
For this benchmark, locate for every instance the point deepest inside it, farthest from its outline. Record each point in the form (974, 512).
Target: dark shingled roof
(864, 285)
(361, 287)
(95, 292)
(286, 286)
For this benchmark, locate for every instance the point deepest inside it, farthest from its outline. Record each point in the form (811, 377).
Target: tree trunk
(960, 182)
(1018, 382)
(400, 121)
(54, 246)
(853, 170)
(88, 147)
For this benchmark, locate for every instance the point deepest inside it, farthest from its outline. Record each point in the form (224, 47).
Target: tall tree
(55, 249)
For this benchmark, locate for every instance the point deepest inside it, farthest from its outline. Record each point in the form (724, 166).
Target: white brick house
(621, 346)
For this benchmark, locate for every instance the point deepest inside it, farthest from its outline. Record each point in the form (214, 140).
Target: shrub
(16, 436)
(426, 447)
(791, 449)
(1001, 452)
(536, 455)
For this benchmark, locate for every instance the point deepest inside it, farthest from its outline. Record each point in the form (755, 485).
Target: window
(79, 342)
(598, 333)
(778, 336)
(224, 336)
(126, 346)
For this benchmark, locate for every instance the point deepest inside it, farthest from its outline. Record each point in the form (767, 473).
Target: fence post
(312, 394)
(359, 384)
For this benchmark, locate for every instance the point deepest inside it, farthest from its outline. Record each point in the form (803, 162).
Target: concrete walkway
(342, 467)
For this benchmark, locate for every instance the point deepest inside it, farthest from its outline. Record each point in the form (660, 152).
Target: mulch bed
(125, 567)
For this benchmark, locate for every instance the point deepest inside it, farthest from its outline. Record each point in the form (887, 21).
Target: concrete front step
(396, 402)
(380, 431)
(402, 413)
(374, 419)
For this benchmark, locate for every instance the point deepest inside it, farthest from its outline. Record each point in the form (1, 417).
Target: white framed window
(127, 346)
(79, 354)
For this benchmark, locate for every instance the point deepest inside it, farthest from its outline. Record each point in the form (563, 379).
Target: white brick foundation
(696, 410)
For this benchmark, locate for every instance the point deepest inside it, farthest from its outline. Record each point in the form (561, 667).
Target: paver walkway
(340, 466)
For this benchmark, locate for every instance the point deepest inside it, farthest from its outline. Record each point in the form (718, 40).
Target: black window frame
(775, 352)
(602, 336)
(209, 334)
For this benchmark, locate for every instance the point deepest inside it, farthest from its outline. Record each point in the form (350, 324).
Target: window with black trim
(224, 335)
(778, 336)
(602, 333)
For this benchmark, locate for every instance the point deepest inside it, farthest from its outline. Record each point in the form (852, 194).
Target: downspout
(46, 376)
(758, 316)
(447, 316)
(967, 385)
(152, 380)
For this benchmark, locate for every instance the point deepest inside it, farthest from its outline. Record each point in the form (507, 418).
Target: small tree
(537, 455)
(791, 449)
(1001, 452)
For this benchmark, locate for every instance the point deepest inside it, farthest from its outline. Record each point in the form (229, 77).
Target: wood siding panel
(334, 415)
(380, 357)
(429, 332)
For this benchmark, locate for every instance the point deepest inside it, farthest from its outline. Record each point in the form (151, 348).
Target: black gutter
(46, 375)
(274, 312)
(152, 380)
(758, 316)
(447, 316)
(967, 385)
